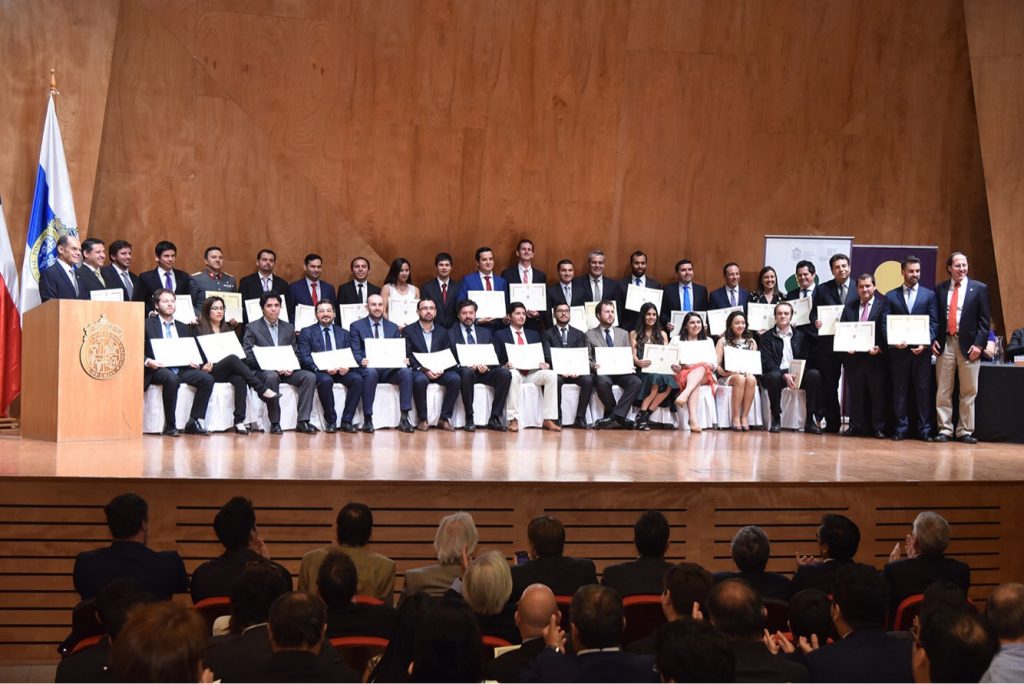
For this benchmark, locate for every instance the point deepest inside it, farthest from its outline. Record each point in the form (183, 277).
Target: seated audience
(646, 574)
(487, 586)
(235, 526)
(864, 651)
(693, 651)
(810, 616)
(533, 613)
(1015, 347)
(750, 550)
(393, 664)
(297, 624)
(456, 534)
(686, 585)
(159, 572)
(447, 646)
(954, 646)
(1005, 612)
(161, 642)
(925, 562)
(336, 585)
(736, 610)
(354, 529)
(562, 574)
(838, 539)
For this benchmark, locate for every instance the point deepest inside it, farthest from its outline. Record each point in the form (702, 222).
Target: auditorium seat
(707, 414)
(357, 651)
(723, 406)
(212, 608)
(643, 614)
(908, 609)
(794, 409)
(490, 644)
(218, 413)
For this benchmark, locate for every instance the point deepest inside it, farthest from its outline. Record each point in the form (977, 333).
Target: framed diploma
(403, 311)
(909, 330)
(760, 316)
(829, 315)
(801, 310)
(350, 313)
(534, 296)
(858, 336)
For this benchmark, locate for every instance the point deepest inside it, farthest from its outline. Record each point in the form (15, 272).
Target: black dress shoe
(897, 437)
(255, 427)
(330, 428)
(405, 426)
(305, 427)
(776, 427)
(581, 424)
(850, 433)
(879, 434)
(347, 427)
(170, 432)
(967, 438)
(494, 423)
(604, 423)
(193, 427)
(275, 429)
(941, 438)
(926, 438)
(368, 426)
(469, 427)
(812, 428)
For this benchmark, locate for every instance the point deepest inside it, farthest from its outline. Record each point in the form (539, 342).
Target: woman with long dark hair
(656, 387)
(398, 286)
(743, 385)
(691, 377)
(768, 291)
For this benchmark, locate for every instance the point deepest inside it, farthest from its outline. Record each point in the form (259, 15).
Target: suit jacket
(563, 575)
(245, 657)
(375, 573)
(610, 288)
(159, 572)
(363, 329)
(628, 319)
(304, 666)
(645, 575)
(215, 576)
(355, 619)
(447, 313)
(879, 312)
(1016, 345)
(299, 291)
(865, 655)
(821, 576)
(925, 304)
(772, 347)
(416, 342)
(311, 339)
(113, 278)
(506, 336)
(54, 283)
(592, 667)
(151, 282)
(755, 663)
(434, 580)
(913, 575)
(974, 315)
(556, 295)
(552, 337)
(88, 282)
(828, 294)
(257, 334)
(670, 300)
(473, 281)
(512, 665)
(769, 585)
(251, 287)
(348, 294)
(511, 275)
(595, 338)
(154, 329)
(719, 299)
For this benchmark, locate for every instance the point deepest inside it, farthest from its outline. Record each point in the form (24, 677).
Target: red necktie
(526, 277)
(313, 291)
(519, 334)
(444, 293)
(487, 286)
(951, 320)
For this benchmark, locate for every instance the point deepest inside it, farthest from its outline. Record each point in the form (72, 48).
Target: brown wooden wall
(395, 128)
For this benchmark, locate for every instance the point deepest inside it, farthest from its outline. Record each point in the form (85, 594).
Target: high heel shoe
(695, 428)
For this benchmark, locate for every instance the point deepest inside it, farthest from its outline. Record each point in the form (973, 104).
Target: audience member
(686, 586)
(447, 646)
(810, 616)
(838, 539)
(562, 574)
(534, 612)
(487, 586)
(693, 651)
(161, 642)
(336, 584)
(456, 534)
(1005, 612)
(954, 646)
(298, 621)
(393, 665)
(750, 551)
(646, 574)
(925, 562)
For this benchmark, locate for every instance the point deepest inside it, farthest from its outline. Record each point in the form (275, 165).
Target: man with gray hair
(594, 284)
(750, 551)
(59, 281)
(925, 561)
(1005, 612)
(456, 534)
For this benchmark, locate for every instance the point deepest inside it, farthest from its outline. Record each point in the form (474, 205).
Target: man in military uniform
(212, 278)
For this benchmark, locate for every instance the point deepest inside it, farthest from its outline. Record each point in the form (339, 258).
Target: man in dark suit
(962, 334)
(164, 276)
(779, 347)
(523, 273)
(424, 337)
(646, 574)
(867, 369)
(297, 624)
(737, 610)
(1015, 347)
(864, 651)
(838, 291)
(925, 563)
(163, 326)
(693, 650)
(750, 550)
(594, 284)
(443, 290)
(596, 622)
(336, 583)
(466, 331)
(483, 278)
(118, 273)
(639, 278)
(518, 334)
(326, 335)
(534, 611)
(160, 572)
(562, 574)
(310, 289)
(911, 367)
(60, 281)
(607, 335)
(563, 290)
(838, 539)
(683, 295)
(730, 294)
(271, 331)
(377, 327)
(685, 590)
(90, 273)
(263, 280)
(804, 275)
(561, 335)
(359, 288)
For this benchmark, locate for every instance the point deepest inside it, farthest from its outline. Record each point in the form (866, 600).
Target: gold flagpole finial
(53, 81)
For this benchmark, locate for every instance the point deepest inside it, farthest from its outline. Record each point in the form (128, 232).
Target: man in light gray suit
(269, 331)
(606, 334)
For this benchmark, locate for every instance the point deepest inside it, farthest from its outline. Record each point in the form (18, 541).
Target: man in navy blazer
(730, 294)
(90, 273)
(326, 335)
(684, 294)
(426, 337)
(310, 289)
(59, 281)
(483, 278)
(523, 272)
(466, 331)
(834, 292)
(911, 367)
(359, 288)
(638, 277)
(561, 335)
(377, 327)
(444, 290)
(118, 272)
(962, 334)
(164, 276)
(867, 369)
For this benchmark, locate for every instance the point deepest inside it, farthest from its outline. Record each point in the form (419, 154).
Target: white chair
(723, 405)
(483, 400)
(219, 412)
(794, 408)
(707, 414)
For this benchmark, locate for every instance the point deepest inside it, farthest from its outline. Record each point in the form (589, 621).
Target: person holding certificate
(682, 295)
(911, 366)
(655, 387)
(270, 331)
(423, 337)
(690, 377)
(867, 369)
(524, 273)
(780, 346)
(743, 385)
(767, 291)
(377, 327)
(163, 326)
(730, 294)
(398, 287)
(831, 293)
(561, 335)
(638, 278)
(517, 334)
(483, 279)
(324, 336)
(467, 332)
(231, 368)
(607, 335)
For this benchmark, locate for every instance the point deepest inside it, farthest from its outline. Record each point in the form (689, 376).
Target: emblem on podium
(102, 352)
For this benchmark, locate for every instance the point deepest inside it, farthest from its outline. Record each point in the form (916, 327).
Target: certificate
(336, 358)
(742, 360)
(829, 315)
(276, 358)
(637, 296)
(591, 309)
(614, 360)
(489, 303)
(760, 316)
(662, 357)
(184, 311)
(219, 346)
(232, 304)
(577, 317)
(677, 321)
(534, 296)
(909, 330)
(304, 316)
(385, 353)
(477, 354)
(114, 294)
(717, 318)
(350, 313)
(175, 352)
(796, 369)
(801, 310)
(403, 311)
(254, 313)
(438, 362)
(525, 356)
(570, 360)
(697, 351)
(856, 336)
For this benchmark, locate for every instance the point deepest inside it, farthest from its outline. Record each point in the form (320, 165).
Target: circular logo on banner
(102, 352)
(46, 246)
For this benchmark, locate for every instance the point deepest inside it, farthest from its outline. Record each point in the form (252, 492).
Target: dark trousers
(586, 385)
(774, 383)
(911, 374)
(866, 379)
(302, 380)
(353, 382)
(449, 380)
(232, 369)
(630, 385)
(392, 376)
(171, 381)
(497, 377)
(830, 365)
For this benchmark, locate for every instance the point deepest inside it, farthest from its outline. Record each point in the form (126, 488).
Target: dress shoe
(926, 438)
(275, 429)
(469, 427)
(405, 426)
(605, 423)
(776, 427)
(269, 394)
(941, 437)
(330, 428)
(446, 425)
(812, 428)
(897, 437)
(581, 424)
(850, 433)
(255, 427)
(346, 426)
(240, 429)
(625, 423)
(552, 425)
(193, 427)
(170, 431)
(305, 427)
(879, 434)
(368, 426)
(829, 430)
(423, 426)
(513, 425)
(494, 423)
(967, 438)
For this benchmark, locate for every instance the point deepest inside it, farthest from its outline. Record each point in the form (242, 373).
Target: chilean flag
(10, 322)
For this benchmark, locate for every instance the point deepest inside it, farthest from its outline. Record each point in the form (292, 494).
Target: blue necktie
(637, 282)
(469, 336)
(327, 340)
(687, 305)
(608, 338)
(910, 300)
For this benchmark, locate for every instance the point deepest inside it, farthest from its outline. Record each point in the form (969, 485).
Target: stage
(708, 485)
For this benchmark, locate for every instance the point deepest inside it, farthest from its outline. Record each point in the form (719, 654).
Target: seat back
(564, 602)
(88, 642)
(643, 615)
(212, 608)
(357, 651)
(908, 609)
(489, 643)
(778, 615)
(364, 600)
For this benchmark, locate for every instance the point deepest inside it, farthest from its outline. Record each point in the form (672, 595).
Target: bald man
(533, 612)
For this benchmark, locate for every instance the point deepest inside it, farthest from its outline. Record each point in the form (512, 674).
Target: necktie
(597, 290)
(687, 304)
(803, 294)
(312, 289)
(168, 335)
(376, 330)
(127, 285)
(359, 289)
(519, 336)
(842, 293)
(951, 320)
(637, 282)
(865, 310)
(100, 276)
(608, 337)
(168, 283)
(526, 277)
(568, 294)
(74, 281)
(565, 339)
(469, 336)
(732, 297)
(327, 340)
(266, 284)
(487, 285)
(910, 300)
(444, 293)
(273, 334)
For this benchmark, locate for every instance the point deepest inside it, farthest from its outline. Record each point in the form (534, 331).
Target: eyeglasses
(216, 308)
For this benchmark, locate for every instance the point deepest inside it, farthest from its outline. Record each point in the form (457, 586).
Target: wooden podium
(81, 370)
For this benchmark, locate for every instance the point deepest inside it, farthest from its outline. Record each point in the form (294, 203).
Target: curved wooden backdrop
(395, 128)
